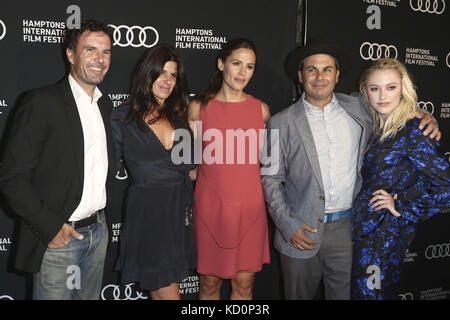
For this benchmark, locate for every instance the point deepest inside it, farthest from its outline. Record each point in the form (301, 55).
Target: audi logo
(5, 297)
(2, 29)
(122, 173)
(375, 51)
(425, 6)
(447, 154)
(122, 176)
(117, 294)
(426, 105)
(134, 36)
(446, 60)
(406, 296)
(437, 251)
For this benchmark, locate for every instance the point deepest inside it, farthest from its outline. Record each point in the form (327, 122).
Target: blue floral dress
(408, 165)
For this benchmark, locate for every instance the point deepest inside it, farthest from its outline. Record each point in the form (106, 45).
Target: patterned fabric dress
(408, 165)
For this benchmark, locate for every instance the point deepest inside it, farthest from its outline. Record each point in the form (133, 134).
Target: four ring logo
(425, 6)
(134, 36)
(447, 154)
(2, 29)
(446, 60)
(437, 251)
(375, 51)
(406, 296)
(427, 106)
(5, 297)
(117, 294)
(122, 173)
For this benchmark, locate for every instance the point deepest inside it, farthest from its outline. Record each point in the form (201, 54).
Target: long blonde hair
(407, 106)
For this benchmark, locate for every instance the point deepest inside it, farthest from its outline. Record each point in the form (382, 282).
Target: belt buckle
(97, 215)
(76, 224)
(330, 217)
(337, 216)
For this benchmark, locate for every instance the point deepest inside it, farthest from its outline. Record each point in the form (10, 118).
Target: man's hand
(427, 120)
(302, 242)
(63, 236)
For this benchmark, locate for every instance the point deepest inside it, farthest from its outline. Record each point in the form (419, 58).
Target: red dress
(230, 215)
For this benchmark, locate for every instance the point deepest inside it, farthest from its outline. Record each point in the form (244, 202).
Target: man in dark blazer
(58, 170)
(320, 150)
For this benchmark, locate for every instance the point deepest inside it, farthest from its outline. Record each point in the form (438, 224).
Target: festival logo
(447, 154)
(386, 3)
(190, 285)
(122, 292)
(122, 173)
(115, 230)
(437, 251)
(434, 294)
(426, 106)
(42, 31)
(428, 6)
(5, 243)
(2, 29)
(420, 57)
(3, 105)
(198, 39)
(118, 98)
(410, 256)
(445, 110)
(406, 296)
(134, 36)
(375, 51)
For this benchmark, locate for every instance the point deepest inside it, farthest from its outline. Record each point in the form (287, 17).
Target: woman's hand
(193, 174)
(384, 200)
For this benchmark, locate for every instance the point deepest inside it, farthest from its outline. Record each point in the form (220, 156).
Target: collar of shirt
(79, 93)
(332, 106)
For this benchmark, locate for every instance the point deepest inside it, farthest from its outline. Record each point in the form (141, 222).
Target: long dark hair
(142, 101)
(215, 83)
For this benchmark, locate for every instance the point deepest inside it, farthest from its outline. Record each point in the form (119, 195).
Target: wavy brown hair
(142, 101)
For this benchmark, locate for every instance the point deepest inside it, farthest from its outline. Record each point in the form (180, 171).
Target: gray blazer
(294, 193)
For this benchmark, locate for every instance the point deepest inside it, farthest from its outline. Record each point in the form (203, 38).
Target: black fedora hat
(315, 46)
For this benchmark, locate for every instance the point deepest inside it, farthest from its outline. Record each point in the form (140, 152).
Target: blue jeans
(75, 271)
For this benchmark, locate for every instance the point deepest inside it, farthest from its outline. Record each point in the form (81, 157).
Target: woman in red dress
(229, 215)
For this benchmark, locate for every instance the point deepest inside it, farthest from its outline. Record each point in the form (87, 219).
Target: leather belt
(93, 218)
(335, 216)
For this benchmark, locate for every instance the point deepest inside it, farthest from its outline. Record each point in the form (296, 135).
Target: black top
(157, 246)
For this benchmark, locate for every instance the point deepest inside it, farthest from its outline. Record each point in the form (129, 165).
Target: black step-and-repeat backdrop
(416, 33)
(31, 56)
(412, 31)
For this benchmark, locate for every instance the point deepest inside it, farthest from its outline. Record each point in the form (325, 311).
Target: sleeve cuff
(45, 224)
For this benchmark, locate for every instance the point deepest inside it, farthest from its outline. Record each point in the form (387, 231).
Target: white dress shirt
(336, 137)
(95, 153)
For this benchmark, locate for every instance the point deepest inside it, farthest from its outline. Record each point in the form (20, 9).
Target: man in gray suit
(320, 149)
